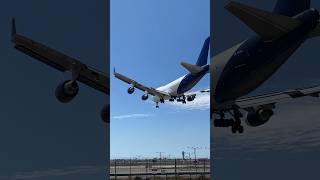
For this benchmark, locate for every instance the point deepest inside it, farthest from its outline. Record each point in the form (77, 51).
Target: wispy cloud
(201, 102)
(76, 170)
(130, 116)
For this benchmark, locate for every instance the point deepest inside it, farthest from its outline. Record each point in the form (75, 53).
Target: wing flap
(266, 24)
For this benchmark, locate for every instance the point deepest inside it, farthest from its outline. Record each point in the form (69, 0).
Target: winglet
(114, 70)
(14, 29)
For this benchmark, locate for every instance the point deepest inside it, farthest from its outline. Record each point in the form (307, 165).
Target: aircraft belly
(237, 82)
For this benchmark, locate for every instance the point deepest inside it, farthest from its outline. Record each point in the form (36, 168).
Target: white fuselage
(170, 89)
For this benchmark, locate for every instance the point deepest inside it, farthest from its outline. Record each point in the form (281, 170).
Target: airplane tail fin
(291, 7)
(203, 57)
(266, 24)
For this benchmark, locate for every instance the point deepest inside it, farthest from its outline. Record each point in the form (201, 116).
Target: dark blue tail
(203, 57)
(291, 7)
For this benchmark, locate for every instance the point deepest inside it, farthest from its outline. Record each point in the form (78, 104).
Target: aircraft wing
(81, 72)
(270, 99)
(141, 87)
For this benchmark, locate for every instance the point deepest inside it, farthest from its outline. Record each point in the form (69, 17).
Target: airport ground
(160, 169)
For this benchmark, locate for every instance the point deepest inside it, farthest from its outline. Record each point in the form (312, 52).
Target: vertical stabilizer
(291, 7)
(203, 57)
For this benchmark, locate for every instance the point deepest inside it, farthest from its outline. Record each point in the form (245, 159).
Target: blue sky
(149, 39)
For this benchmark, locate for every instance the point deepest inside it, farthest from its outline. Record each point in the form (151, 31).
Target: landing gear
(237, 122)
(157, 105)
(237, 127)
(161, 100)
(234, 123)
(183, 100)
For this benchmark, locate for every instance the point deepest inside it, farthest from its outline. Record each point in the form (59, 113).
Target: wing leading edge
(141, 87)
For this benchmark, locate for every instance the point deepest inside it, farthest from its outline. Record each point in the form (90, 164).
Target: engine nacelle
(144, 97)
(259, 117)
(66, 91)
(190, 98)
(105, 114)
(131, 90)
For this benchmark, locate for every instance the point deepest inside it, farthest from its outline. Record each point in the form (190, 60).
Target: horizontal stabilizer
(193, 69)
(266, 24)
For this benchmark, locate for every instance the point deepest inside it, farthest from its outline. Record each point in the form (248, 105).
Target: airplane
(239, 70)
(67, 90)
(177, 89)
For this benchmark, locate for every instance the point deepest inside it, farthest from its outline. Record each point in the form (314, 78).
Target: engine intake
(145, 97)
(190, 98)
(66, 91)
(259, 117)
(131, 90)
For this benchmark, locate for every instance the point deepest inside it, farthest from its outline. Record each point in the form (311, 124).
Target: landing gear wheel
(237, 128)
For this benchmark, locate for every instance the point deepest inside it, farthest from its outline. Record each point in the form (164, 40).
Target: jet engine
(66, 91)
(105, 113)
(131, 90)
(259, 117)
(190, 98)
(145, 97)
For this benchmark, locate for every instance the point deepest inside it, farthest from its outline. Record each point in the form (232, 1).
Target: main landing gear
(182, 99)
(234, 123)
(161, 101)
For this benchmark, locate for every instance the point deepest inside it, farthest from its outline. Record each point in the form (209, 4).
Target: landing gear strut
(234, 123)
(161, 100)
(237, 122)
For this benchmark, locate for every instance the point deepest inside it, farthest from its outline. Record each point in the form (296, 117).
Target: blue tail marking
(203, 57)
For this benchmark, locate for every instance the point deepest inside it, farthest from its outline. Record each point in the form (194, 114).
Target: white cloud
(129, 116)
